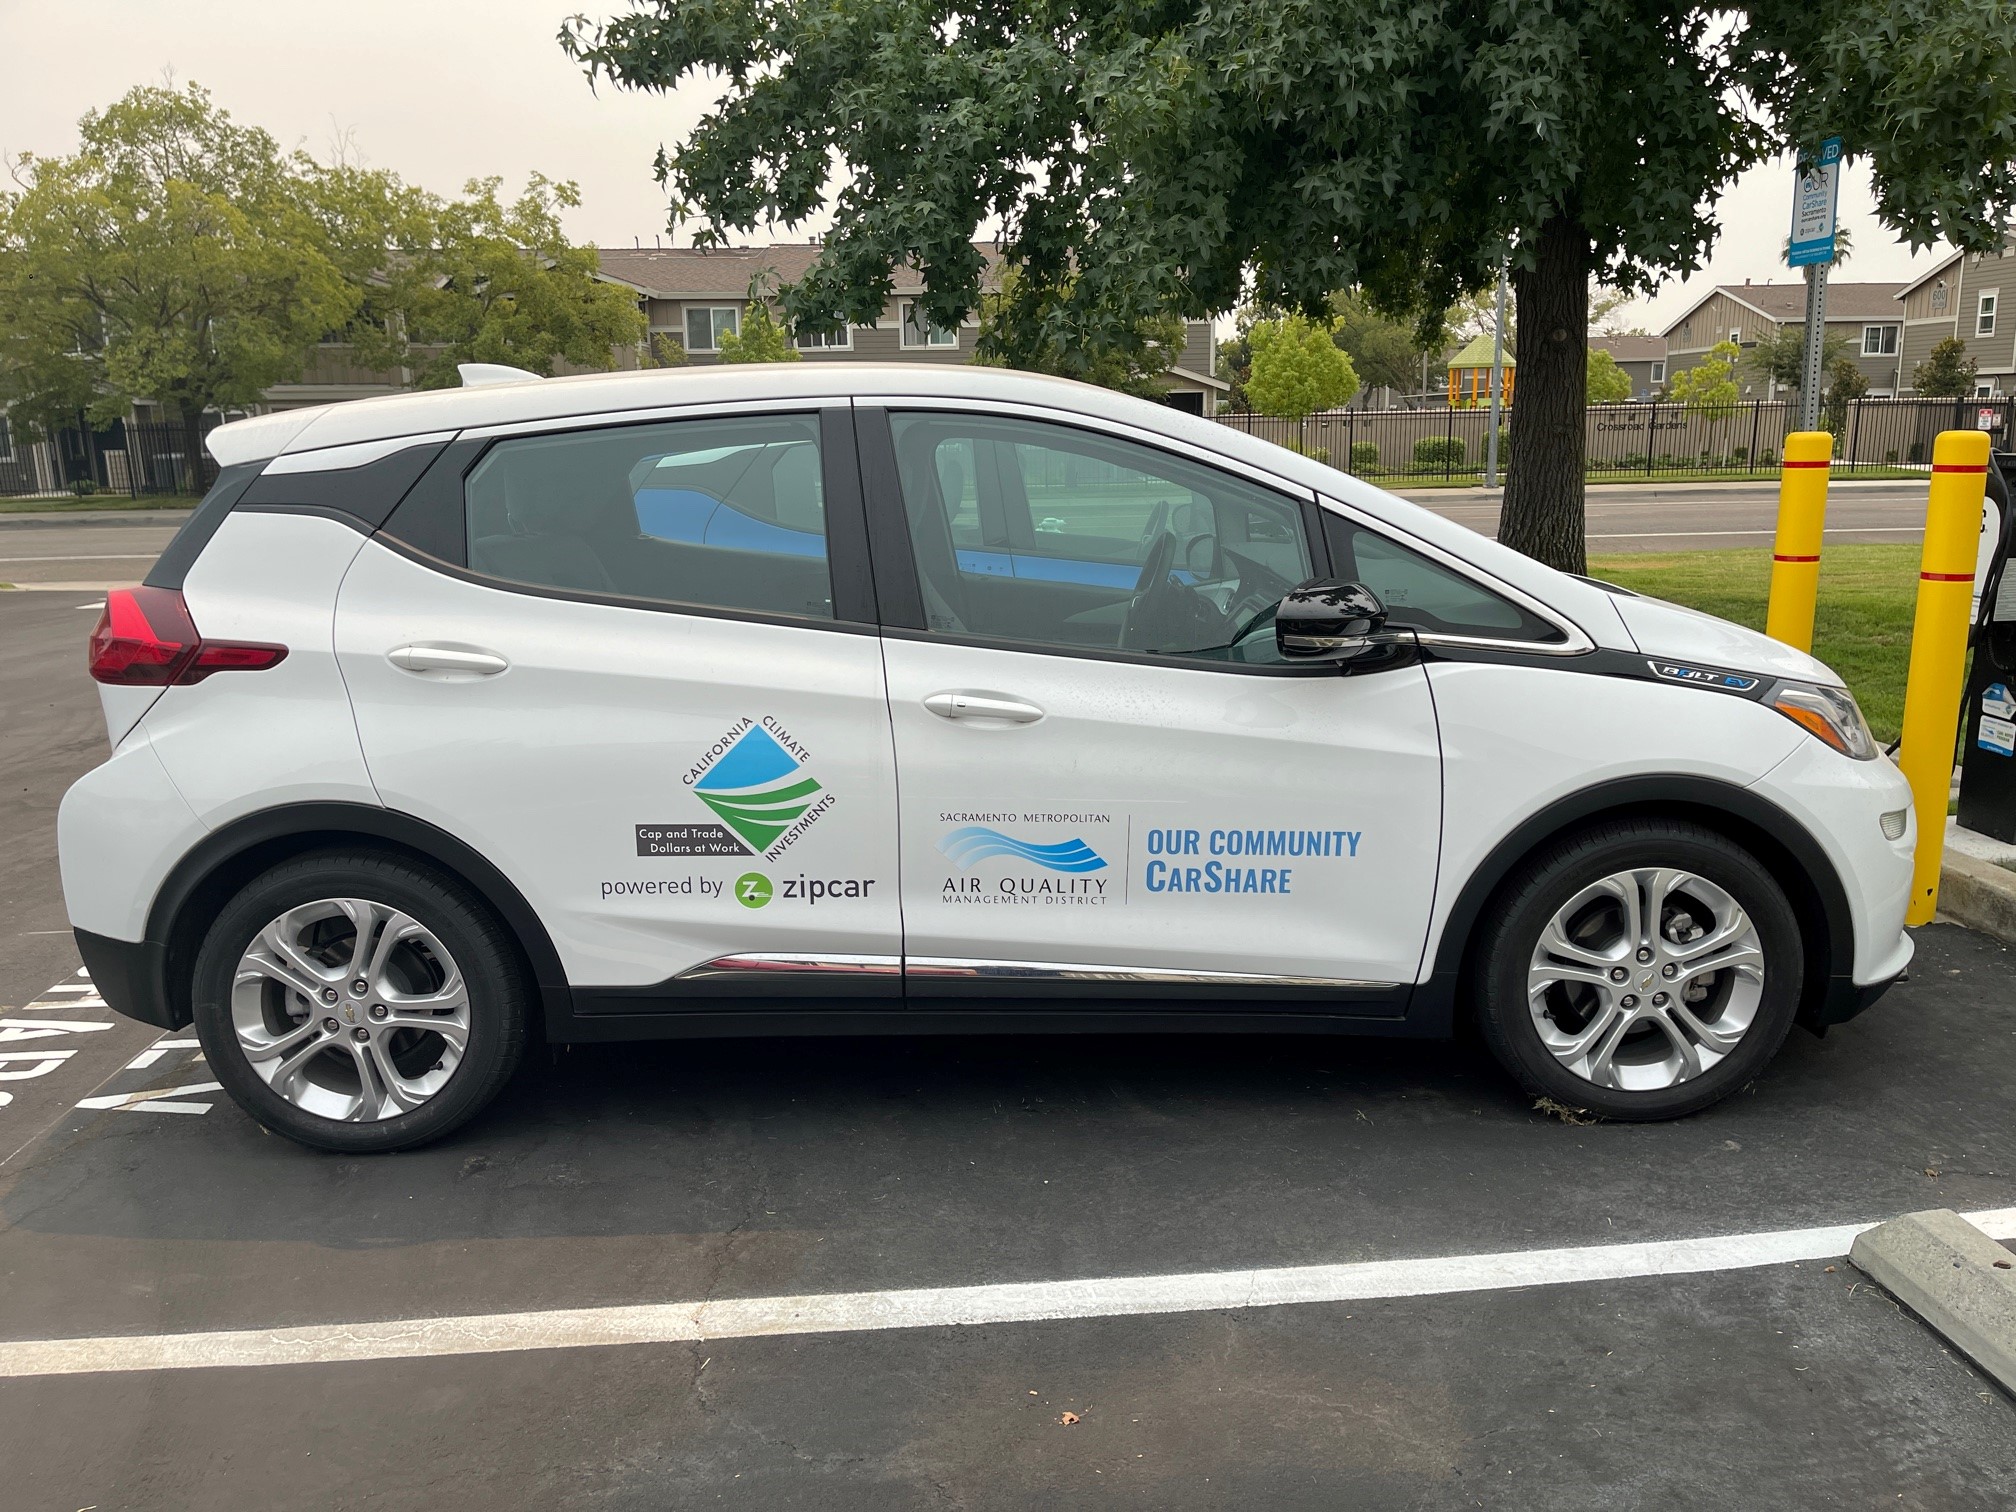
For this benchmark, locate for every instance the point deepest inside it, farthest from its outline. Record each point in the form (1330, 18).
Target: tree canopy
(1298, 368)
(176, 256)
(1607, 382)
(182, 258)
(1029, 333)
(1187, 158)
(1781, 356)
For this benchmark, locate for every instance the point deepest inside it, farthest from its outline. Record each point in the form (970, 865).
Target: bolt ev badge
(1702, 677)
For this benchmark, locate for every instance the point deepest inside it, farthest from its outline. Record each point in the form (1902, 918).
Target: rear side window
(1424, 594)
(726, 514)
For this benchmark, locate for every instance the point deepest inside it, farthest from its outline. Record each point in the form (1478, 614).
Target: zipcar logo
(973, 844)
(1701, 677)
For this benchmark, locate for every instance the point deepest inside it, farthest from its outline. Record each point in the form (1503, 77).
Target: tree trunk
(192, 449)
(1542, 513)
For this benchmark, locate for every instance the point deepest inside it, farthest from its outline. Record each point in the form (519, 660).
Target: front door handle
(453, 660)
(982, 706)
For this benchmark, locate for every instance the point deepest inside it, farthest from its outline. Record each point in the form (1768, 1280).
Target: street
(667, 1174)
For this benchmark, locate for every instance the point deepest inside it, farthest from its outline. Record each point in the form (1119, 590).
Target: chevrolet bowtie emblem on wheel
(349, 1011)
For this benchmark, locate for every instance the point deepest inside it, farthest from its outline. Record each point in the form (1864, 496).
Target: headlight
(1828, 714)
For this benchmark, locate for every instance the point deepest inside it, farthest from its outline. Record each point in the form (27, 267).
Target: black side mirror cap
(1328, 620)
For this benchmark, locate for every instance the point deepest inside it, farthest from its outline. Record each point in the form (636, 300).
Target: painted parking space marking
(159, 1048)
(156, 1101)
(936, 1307)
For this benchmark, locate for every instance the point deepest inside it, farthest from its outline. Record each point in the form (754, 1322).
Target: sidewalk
(41, 518)
(1650, 492)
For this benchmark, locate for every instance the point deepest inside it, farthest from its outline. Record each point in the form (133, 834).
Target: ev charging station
(1988, 715)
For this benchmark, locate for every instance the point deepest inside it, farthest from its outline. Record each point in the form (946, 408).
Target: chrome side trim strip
(732, 967)
(1059, 971)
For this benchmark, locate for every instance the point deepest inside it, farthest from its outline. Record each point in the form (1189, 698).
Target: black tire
(1549, 880)
(498, 997)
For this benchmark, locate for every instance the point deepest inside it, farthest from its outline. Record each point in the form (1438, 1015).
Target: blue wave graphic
(975, 843)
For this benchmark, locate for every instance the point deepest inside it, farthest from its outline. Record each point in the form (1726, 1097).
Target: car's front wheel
(1643, 969)
(358, 1002)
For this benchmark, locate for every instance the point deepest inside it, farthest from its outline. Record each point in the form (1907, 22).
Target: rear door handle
(449, 659)
(982, 706)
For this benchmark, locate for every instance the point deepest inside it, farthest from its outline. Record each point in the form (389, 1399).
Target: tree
(1297, 368)
(1848, 384)
(762, 337)
(1608, 383)
(1035, 335)
(1781, 356)
(1947, 371)
(1709, 387)
(176, 257)
(1188, 157)
(1385, 351)
(478, 280)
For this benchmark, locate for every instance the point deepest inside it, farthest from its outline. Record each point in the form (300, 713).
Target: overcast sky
(445, 90)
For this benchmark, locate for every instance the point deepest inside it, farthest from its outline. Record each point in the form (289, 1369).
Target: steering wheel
(1156, 593)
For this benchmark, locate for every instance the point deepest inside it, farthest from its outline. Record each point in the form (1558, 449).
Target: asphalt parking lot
(669, 1174)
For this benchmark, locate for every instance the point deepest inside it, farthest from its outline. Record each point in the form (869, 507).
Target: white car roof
(433, 412)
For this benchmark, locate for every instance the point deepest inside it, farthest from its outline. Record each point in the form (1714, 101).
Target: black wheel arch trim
(160, 960)
(1813, 884)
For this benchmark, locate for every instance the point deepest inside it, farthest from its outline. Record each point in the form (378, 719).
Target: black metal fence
(1872, 438)
(126, 459)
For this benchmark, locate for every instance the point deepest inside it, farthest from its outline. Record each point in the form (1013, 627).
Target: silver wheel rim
(351, 1010)
(1646, 979)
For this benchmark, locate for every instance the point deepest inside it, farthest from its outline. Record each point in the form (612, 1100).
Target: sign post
(1812, 247)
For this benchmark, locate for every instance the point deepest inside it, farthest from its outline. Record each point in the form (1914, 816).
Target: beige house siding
(1994, 354)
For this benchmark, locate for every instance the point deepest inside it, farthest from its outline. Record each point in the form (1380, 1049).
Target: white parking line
(936, 1307)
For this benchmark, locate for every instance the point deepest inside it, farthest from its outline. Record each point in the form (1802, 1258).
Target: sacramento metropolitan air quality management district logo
(754, 780)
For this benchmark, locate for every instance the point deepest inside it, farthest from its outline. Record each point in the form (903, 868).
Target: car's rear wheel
(1641, 970)
(358, 1002)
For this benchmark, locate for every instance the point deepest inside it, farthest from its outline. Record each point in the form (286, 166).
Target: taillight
(145, 638)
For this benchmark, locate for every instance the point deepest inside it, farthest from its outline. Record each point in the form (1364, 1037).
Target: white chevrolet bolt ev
(824, 698)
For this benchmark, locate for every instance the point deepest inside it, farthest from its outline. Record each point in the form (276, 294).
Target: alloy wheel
(1646, 979)
(350, 1009)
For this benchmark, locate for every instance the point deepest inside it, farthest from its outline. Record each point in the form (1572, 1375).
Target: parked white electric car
(833, 698)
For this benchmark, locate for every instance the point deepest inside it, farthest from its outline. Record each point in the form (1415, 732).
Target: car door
(1111, 781)
(633, 665)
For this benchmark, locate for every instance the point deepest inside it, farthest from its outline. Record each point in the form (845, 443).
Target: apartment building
(1970, 296)
(1868, 315)
(1643, 359)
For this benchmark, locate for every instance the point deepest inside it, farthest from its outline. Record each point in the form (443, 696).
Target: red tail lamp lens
(146, 639)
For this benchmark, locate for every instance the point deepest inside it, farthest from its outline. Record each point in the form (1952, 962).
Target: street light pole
(1497, 383)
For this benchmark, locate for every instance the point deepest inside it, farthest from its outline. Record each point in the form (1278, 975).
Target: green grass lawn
(70, 505)
(1862, 631)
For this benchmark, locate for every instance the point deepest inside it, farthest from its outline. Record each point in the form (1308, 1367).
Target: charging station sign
(1814, 201)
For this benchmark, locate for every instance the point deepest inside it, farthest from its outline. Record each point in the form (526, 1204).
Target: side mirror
(1325, 620)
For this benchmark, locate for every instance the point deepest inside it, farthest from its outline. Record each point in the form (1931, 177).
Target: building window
(706, 323)
(841, 340)
(1984, 388)
(918, 331)
(1736, 335)
(1658, 372)
(1984, 316)
(1879, 341)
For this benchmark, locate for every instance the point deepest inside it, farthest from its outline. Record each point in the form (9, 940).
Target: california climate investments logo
(754, 780)
(969, 846)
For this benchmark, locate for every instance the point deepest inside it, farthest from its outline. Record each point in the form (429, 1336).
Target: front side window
(1984, 316)
(1423, 594)
(1879, 341)
(726, 514)
(705, 325)
(919, 331)
(1032, 532)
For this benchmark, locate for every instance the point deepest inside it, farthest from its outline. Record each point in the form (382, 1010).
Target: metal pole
(1816, 343)
(1497, 382)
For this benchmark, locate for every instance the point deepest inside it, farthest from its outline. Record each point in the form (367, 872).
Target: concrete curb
(1949, 1273)
(1979, 894)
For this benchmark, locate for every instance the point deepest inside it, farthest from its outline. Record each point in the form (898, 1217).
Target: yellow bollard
(1795, 558)
(1933, 690)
